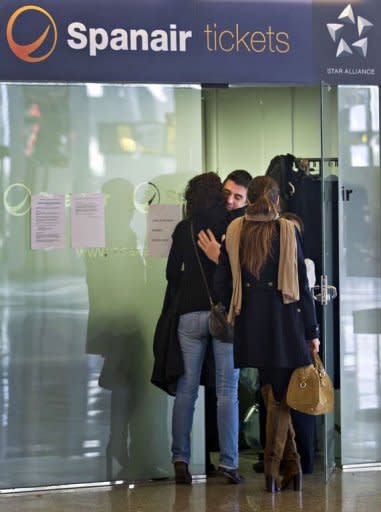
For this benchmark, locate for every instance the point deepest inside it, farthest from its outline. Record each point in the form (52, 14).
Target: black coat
(268, 333)
(168, 360)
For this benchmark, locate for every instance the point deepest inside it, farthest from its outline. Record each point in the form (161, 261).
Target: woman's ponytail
(259, 229)
(262, 205)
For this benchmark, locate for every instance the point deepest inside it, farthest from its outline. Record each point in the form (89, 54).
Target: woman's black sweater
(183, 272)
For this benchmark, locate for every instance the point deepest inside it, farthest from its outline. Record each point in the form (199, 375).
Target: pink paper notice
(87, 221)
(48, 221)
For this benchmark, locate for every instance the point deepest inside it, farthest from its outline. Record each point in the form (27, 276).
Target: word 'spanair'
(122, 39)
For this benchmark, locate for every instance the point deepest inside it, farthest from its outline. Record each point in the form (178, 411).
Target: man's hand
(208, 243)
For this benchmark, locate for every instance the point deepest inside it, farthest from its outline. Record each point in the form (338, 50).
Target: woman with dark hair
(262, 279)
(205, 208)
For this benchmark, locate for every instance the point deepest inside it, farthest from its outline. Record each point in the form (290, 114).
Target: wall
(245, 127)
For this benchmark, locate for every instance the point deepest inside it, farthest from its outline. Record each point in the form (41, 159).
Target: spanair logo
(37, 47)
(42, 44)
(349, 33)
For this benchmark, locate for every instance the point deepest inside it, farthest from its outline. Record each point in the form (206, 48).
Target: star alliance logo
(349, 26)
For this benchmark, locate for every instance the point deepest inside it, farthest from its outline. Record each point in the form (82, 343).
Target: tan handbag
(310, 389)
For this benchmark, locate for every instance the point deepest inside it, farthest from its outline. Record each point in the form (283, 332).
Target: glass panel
(69, 316)
(360, 274)
(329, 312)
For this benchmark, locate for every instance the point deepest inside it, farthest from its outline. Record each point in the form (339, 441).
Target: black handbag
(219, 326)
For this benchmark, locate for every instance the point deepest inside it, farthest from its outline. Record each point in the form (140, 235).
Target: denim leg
(227, 403)
(193, 336)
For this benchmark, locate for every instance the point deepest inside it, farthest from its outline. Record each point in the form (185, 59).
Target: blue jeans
(193, 332)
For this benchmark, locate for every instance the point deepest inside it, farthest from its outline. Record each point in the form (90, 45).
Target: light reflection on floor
(345, 492)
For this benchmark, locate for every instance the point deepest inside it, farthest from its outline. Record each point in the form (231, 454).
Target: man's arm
(208, 243)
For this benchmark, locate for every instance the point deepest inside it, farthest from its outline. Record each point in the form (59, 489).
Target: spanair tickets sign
(199, 41)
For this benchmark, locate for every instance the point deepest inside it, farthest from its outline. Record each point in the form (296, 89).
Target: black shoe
(182, 475)
(232, 475)
(259, 467)
(211, 470)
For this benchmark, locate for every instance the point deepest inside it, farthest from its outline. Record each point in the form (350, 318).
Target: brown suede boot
(292, 470)
(277, 421)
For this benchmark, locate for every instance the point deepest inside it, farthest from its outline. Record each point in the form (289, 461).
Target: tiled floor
(345, 492)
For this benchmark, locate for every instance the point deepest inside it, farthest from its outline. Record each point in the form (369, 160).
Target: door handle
(327, 291)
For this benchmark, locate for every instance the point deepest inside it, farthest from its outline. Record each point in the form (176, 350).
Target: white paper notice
(48, 221)
(162, 219)
(87, 221)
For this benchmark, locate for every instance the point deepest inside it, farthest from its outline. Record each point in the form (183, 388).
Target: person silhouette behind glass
(114, 274)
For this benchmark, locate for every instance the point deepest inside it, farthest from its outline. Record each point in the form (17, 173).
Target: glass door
(77, 324)
(328, 280)
(351, 258)
(360, 276)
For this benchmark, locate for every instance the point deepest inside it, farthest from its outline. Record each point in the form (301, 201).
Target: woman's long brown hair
(257, 236)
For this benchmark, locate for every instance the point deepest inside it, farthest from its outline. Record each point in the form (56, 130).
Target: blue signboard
(197, 41)
(255, 41)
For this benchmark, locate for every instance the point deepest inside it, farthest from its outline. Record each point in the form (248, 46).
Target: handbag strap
(200, 265)
(318, 364)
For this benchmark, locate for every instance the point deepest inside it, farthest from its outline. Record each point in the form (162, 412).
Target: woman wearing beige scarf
(262, 280)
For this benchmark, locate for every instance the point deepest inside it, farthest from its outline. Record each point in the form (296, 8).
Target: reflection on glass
(76, 402)
(357, 118)
(359, 155)
(360, 276)
(113, 329)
